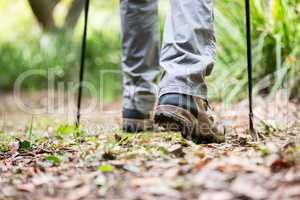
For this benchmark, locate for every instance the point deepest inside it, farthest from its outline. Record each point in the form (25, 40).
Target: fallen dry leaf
(230, 168)
(278, 165)
(200, 164)
(243, 185)
(70, 184)
(79, 193)
(146, 181)
(216, 195)
(177, 150)
(29, 187)
(183, 162)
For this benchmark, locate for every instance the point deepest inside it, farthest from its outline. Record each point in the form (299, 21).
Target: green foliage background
(276, 39)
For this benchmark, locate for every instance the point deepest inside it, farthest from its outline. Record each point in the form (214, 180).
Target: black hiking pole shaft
(249, 63)
(82, 61)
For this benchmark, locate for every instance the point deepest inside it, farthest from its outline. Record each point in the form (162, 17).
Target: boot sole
(174, 118)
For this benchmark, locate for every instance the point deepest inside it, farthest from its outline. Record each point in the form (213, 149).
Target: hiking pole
(249, 68)
(82, 61)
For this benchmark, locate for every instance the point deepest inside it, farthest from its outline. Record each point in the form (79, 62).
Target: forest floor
(40, 157)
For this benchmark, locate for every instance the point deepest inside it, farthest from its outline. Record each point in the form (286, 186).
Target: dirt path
(104, 163)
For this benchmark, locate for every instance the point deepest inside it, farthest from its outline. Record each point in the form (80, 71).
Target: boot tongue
(180, 100)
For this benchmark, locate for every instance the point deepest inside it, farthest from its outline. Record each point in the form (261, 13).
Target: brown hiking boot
(191, 116)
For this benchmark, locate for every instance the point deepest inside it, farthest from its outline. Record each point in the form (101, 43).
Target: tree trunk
(43, 11)
(53, 3)
(74, 14)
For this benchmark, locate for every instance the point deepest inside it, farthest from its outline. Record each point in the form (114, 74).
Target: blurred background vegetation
(46, 34)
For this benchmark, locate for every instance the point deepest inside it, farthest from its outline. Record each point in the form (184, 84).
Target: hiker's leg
(189, 47)
(140, 53)
(188, 55)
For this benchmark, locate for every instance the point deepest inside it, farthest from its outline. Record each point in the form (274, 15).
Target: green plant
(52, 160)
(276, 49)
(276, 35)
(106, 168)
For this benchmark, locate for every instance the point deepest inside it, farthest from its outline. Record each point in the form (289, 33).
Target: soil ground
(41, 159)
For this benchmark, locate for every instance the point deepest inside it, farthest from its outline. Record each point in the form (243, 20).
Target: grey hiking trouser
(187, 54)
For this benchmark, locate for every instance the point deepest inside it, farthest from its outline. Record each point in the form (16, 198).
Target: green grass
(59, 55)
(23, 49)
(276, 37)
